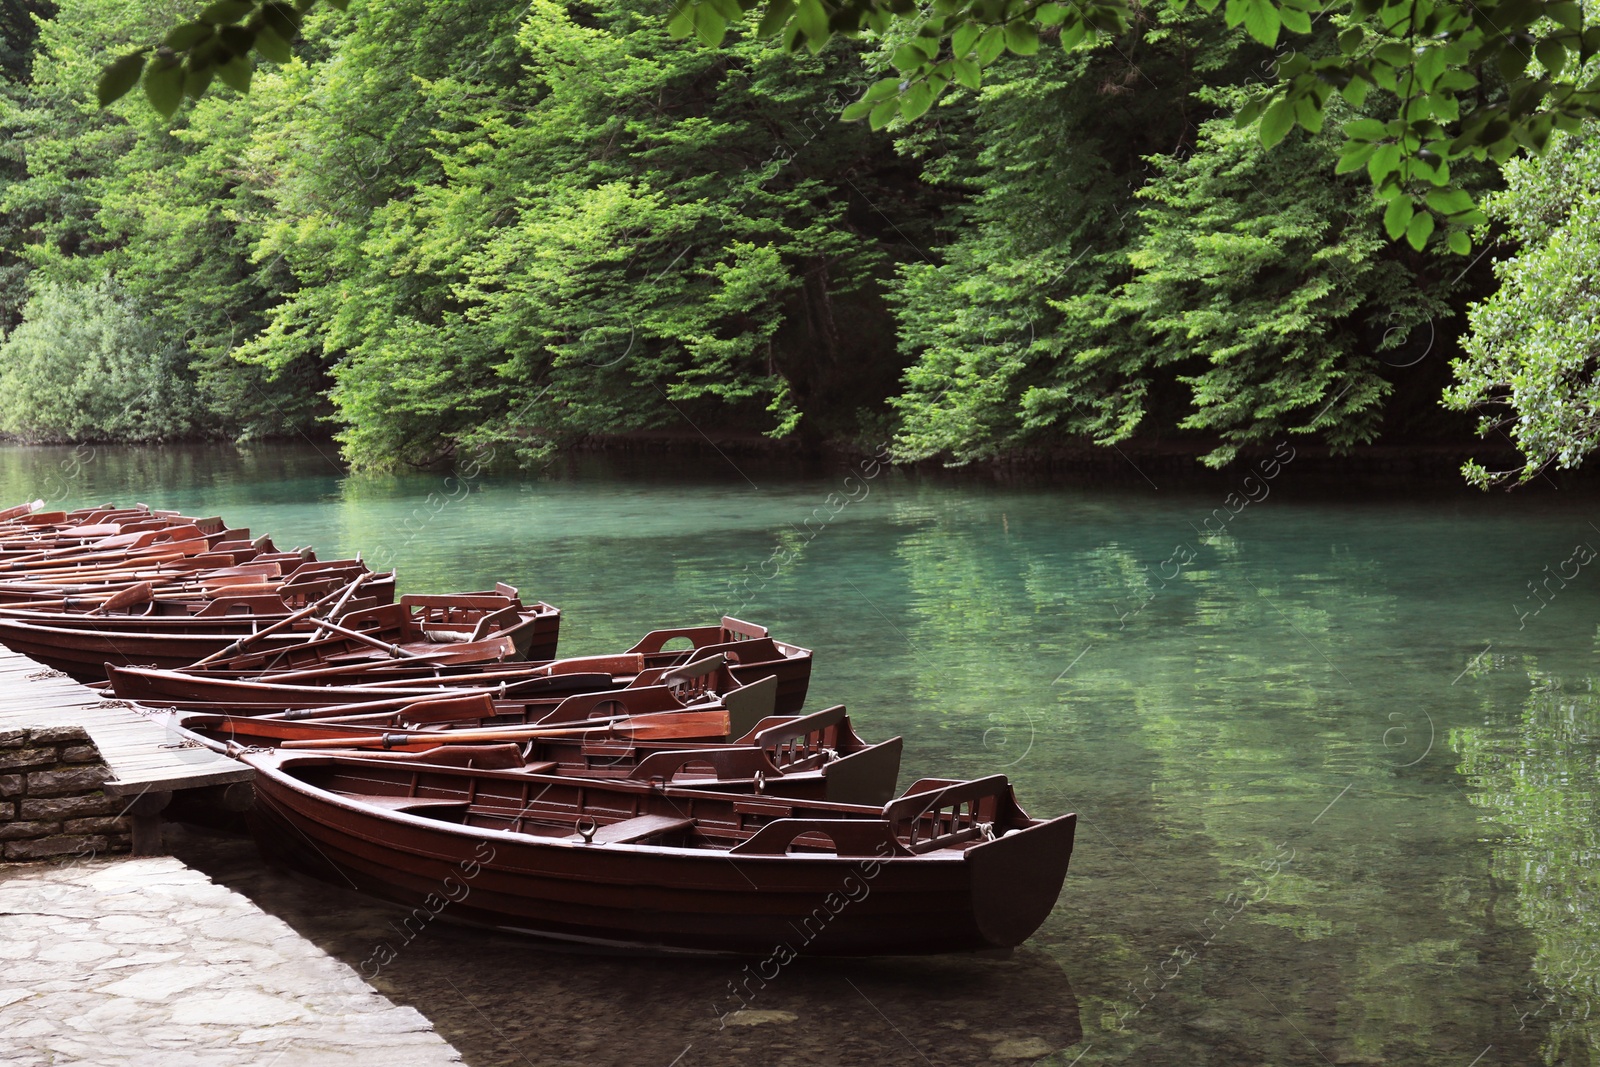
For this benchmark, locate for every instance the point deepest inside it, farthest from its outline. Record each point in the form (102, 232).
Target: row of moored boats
(430, 748)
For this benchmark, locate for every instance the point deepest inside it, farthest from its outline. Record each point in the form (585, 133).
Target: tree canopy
(1463, 81)
(438, 226)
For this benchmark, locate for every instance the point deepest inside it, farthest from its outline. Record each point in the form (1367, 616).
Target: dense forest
(507, 227)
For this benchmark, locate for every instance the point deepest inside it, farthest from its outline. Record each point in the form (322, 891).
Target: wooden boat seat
(413, 805)
(760, 806)
(637, 829)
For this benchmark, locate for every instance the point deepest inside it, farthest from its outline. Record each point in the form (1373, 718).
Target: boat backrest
(927, 819)
(750, 704)
(808, 732)
(250, 604)
(585, 706)
(725, 763)
(739, 630)
(697, 636)
(505, 618)
(847, 837)
(181, 533)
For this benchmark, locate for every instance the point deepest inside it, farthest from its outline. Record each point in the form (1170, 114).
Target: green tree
(569, 227)
(1532, 359)
(86, 365)
(1462, 81)
(1131, 267)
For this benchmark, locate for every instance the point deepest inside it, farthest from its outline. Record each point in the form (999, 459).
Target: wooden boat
(817, 756)
(948, 867)
(321, 677)
(501, 628)
(203, 602)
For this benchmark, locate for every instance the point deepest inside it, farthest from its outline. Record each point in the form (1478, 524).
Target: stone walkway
(147, 963)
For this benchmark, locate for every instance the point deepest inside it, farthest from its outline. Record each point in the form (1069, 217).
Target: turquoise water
(1334, 758)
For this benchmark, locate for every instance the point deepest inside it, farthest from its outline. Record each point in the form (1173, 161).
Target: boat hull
(663, 899)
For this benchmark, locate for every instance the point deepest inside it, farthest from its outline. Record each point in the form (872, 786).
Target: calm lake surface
(1334, 759)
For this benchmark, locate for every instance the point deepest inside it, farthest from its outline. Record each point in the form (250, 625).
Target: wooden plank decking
(142, 753)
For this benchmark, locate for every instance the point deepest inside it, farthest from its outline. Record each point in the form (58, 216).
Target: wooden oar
(19, 510)
(138, 594)
(367, 639)
(289, 620)
(657, 726)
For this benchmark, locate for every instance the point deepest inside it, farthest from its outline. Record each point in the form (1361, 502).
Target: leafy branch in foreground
(217, 44)
(1471, 80)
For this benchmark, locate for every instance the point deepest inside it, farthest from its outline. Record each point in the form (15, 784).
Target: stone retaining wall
(50, 798)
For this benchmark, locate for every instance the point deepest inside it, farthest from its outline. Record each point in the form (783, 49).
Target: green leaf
(184, 37)
(679, 25)
(1073, 35)
(163, 86)
(857, 111)
(281, 19)
(882, 89)
(339, 5)
(1420, 228)
(1277, 122)
(119, 77)
(963, 39)
(967, 73)
(1393, 54)
(709, 26)
(1448, 202)
(225, 11)
(237, 39)
(1308, 113)
(1459, 242)
(1261, 19)
(1353, 157)
(275, 48)
(882, 113)
(1022, 38)
(1355, 91)
(813, 19)
(990, 44)
(916, 101)
(1294, 20)
(1552, 55)
(1384, 162)
(1397, 216)
(908, 58)
(1566, 12)
(236, 73)
(1365, 130)
(197, 79)
(1250, 112)
(1050, 14)
(776, 17)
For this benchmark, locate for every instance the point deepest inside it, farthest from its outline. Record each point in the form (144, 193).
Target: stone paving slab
(148, 963)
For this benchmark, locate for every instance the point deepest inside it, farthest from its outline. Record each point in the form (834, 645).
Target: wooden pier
(147, 761)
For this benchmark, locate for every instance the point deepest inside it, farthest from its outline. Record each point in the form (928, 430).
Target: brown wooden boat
(341, 674)
(706, 745)
(950, 866)
(497, 627)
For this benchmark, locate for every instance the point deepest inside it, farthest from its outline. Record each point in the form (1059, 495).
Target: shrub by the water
(85, 365)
